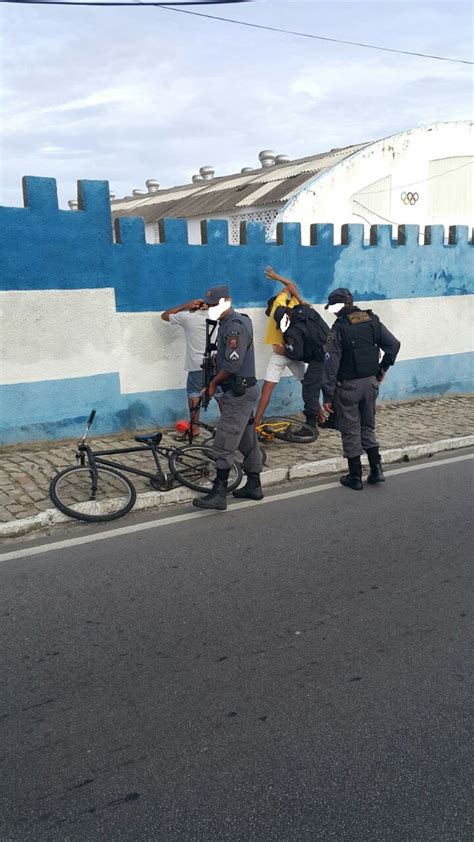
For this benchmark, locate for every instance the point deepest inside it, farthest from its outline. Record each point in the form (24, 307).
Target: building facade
(423, 176)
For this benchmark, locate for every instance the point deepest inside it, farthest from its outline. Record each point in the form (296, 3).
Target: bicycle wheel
(73, 494)
(292, 430)
(194, 467)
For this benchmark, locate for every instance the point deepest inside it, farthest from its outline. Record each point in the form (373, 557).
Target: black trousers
(311, 384)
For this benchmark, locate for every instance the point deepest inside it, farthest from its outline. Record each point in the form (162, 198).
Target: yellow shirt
(273, 335)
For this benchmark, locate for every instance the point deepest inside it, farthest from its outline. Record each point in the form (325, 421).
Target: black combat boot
(375, 462)
(252, 490)
(216, 499)
(311, 421)
(354, 478)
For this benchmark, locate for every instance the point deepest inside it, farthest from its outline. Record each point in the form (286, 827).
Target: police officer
(351, 378)
(235, 367)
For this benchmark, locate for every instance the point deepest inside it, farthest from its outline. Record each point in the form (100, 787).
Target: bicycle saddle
(153, 438)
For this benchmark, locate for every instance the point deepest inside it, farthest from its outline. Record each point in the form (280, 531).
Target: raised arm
(289, 285)
(191, 306)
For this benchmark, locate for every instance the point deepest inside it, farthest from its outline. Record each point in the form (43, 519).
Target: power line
(136, 3)
(171, 8)
(315, 37)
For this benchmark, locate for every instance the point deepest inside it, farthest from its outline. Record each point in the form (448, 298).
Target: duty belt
(246, 381)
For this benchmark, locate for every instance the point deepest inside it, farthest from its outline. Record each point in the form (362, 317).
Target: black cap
(214, 295)
(338, 296)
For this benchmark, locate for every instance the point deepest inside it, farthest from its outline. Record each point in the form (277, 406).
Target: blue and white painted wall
(81, 320)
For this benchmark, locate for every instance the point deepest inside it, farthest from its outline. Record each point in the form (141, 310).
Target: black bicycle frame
(95, 458)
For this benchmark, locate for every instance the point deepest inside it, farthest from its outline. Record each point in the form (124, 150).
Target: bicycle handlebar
(88, 424)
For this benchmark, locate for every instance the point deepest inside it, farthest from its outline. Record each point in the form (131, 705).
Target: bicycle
(287, 429)
(96, 490)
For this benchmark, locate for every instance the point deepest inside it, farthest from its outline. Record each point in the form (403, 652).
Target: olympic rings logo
(409, 198)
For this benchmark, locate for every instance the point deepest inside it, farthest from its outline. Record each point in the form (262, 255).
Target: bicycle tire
(194, 467)
(74, 483)
(298, 432)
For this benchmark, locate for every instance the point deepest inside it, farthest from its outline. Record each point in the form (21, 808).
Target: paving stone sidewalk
(26, 470)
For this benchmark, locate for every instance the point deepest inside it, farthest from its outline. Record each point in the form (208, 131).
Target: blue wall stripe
(42, 247)
(39, 405)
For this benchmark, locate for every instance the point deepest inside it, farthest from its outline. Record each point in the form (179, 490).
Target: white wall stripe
(57, 334)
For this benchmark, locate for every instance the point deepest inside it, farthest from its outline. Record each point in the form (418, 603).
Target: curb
(394, 454)
(274, 476)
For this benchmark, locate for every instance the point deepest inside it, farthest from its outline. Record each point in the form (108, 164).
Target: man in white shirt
(191, 317)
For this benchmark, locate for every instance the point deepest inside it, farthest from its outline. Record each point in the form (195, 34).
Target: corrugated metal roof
(281, 191)
(258, 196)
(263, 186)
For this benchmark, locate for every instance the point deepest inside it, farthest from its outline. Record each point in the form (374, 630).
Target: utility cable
(171, 8)
(136, 3)
(315, 37)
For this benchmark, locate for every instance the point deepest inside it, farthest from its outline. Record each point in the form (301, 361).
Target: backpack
(306, 334)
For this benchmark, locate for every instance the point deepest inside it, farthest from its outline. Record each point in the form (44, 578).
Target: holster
(237, 385)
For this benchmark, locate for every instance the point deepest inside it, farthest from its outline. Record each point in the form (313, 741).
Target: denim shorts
(194, 383)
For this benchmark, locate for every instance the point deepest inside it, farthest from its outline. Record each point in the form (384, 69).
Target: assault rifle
(208, 360)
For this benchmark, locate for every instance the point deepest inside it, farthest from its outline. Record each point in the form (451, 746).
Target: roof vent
(282, 159)
(197, 178)
(137, 194)
(153, 185)
(267, 158)
(207, 173)
(246, 169)
(111, 196)
(73, 204)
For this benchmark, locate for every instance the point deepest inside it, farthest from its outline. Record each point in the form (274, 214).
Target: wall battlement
(43, 247)
(81, 306)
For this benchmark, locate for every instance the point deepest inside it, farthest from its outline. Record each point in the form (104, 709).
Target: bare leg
(194, 415)
(267, 390)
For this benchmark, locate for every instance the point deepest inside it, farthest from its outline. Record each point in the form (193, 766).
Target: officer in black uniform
(351, 378)
(235, 367)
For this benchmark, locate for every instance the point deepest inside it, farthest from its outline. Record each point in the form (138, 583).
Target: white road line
(168, 521)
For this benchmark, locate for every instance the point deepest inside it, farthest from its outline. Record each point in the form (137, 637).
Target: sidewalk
(26, 470)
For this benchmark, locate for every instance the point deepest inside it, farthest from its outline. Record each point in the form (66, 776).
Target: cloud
(128, 94)
(306, 85)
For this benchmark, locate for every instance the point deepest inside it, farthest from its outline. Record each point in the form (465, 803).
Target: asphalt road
(293, 671)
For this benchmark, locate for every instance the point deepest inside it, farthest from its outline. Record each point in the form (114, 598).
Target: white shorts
(277, 364)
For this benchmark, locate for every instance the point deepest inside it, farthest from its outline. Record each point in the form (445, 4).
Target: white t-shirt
(194, 326)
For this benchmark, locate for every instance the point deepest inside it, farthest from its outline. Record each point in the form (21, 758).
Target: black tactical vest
(360, 332)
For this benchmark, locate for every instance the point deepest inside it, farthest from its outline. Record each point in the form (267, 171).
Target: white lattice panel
(265, 216)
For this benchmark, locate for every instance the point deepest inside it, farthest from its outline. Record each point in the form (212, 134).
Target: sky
(126, 94)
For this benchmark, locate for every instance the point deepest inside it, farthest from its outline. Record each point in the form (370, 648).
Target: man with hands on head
(288, 297)
(306, 369)
(191, 317)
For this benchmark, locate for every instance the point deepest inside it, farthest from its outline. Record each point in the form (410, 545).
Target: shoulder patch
(330, 338)
(233, 341)
(358, 316)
